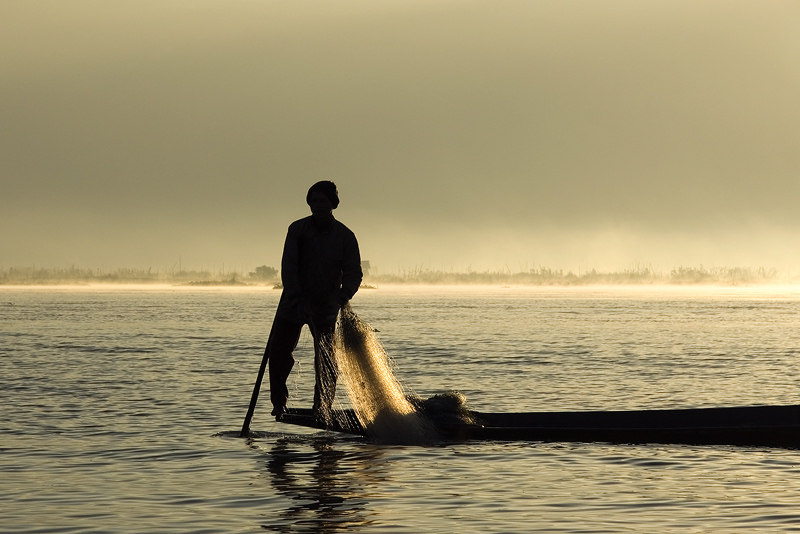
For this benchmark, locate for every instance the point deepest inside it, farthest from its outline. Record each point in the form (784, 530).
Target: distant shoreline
(726, 276)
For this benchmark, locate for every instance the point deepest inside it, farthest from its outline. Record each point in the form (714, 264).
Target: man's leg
(325, 368)
(282, 341)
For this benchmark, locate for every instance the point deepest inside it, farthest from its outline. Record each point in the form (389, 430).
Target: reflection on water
(328, 488)
(113, 403)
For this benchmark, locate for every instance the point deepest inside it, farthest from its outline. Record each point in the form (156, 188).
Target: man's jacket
(319, 268)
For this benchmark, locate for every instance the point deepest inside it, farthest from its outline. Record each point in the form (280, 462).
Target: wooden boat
(769, 426)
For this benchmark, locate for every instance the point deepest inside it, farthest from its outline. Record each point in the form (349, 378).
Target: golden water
(122, 408)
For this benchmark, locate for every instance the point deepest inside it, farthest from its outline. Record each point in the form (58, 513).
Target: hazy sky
(460, 133)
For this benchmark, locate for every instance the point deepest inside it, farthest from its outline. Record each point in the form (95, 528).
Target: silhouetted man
(320, 271)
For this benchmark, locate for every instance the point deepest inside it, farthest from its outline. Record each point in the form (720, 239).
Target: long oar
(254, 399)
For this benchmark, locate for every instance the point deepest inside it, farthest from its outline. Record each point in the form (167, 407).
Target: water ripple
(121, 412)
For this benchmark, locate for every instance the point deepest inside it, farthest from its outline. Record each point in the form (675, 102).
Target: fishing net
(378, 399)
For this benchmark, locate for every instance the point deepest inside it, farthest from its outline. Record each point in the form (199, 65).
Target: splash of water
(377, 397)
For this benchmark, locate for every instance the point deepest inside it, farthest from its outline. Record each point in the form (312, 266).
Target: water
(120, 407)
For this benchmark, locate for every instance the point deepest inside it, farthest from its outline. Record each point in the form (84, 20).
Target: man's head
(328, 189)
(322, 198)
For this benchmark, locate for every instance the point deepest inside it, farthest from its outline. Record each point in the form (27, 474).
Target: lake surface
(120, 407)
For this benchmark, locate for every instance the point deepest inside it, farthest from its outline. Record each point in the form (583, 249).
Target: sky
(461, 134)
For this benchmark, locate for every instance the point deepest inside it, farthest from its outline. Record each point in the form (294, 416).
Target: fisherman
(320, 272)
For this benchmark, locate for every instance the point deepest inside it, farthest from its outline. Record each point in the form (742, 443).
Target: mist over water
(560, 134)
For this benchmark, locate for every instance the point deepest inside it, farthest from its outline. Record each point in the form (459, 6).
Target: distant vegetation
(546, 276)
(269, 276)
(263, 275)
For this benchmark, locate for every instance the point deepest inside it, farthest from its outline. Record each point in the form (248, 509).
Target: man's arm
(351, 270)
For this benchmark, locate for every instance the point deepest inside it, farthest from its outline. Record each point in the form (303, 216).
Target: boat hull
(770, 426)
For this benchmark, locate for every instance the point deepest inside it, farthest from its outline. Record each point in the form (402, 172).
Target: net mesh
(378, 399)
